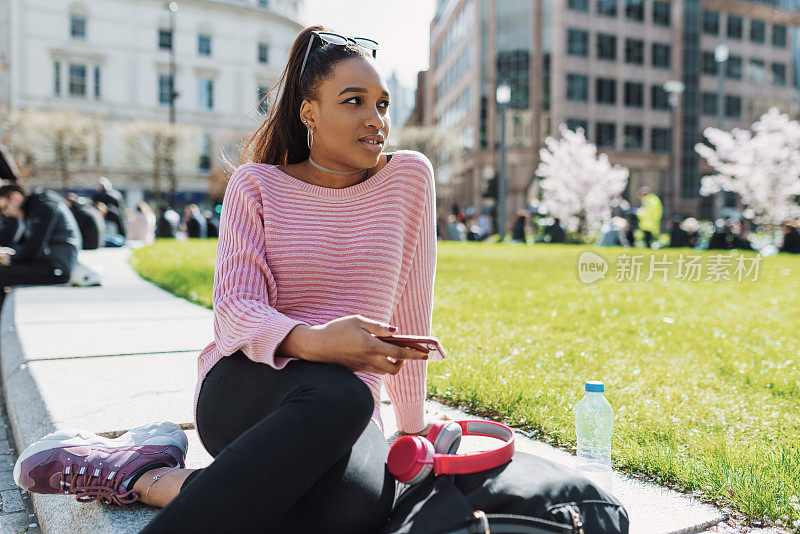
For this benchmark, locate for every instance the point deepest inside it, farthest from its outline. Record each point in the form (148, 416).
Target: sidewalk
(114, 357)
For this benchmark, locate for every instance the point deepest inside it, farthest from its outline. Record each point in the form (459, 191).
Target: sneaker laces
(107, 489)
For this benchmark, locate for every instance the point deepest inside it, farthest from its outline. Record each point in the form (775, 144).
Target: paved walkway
(114, 357)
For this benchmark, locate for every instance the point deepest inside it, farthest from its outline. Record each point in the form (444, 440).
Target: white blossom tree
(762, 166)
(578, 186)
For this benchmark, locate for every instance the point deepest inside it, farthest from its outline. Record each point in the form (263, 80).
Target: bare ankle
(159, 486)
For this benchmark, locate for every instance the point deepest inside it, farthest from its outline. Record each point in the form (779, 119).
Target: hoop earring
(310, 138)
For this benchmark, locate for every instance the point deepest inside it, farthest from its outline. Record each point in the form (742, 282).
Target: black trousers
(35, 272)
(294, 451)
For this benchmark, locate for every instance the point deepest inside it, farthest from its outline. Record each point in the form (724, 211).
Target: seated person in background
(456, 231)
(112, 236)
(212, 223)
(142, 224)
(791, 237)
(115, 204)
(614, 233)
(692, 228)
(678, 236)
(518, 230)
(49, 249)
(168, 223)
(195, 223)
(721, 238)
(553, 233)
(739, 232)
(90, 221)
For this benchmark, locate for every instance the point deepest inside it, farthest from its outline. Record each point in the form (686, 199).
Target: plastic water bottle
(594, 427)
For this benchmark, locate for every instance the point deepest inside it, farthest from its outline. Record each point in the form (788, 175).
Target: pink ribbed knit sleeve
(414, 315)
(244, 288)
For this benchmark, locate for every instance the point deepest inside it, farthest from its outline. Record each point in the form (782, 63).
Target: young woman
(325, 243)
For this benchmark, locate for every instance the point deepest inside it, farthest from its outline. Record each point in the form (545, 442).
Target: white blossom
(578, 186)
(762, 166)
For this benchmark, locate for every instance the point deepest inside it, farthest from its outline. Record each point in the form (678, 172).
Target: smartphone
(428, 344)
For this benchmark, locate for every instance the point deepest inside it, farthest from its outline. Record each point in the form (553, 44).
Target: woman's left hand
(431, 418)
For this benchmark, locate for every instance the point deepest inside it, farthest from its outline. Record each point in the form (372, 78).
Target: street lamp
(674, 89)
(172, 7)
(503, 97)
(721, 54)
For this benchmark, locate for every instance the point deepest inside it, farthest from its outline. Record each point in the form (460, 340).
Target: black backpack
(527, 495)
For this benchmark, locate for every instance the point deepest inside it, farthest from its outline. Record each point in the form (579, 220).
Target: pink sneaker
(92, 467)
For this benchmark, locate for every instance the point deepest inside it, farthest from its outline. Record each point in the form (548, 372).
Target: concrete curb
(30, 419)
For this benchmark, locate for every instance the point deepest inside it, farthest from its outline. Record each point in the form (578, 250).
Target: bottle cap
(595, 386)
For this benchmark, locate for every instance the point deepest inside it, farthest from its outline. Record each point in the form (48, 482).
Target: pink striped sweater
(292, 253)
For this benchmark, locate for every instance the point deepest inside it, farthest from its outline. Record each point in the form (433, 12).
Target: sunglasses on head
(335, 38)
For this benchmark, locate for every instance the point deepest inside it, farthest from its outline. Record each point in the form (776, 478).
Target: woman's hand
(431, 418)
(349, 342)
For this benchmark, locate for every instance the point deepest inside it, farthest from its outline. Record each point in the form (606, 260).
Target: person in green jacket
(649, 214)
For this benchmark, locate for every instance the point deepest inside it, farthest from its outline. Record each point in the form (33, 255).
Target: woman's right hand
(348, 341)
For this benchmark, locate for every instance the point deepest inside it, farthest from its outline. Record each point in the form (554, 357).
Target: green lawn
(704, 376)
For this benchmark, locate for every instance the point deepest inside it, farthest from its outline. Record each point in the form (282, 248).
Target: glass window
(660, 57)
(758, 31)
(57, 78)
(606, 91)
(164, 39)
(263, 53)
(164, 88)
(662, 13)
(733, 106)
(607, 7)
(733, 67)
(634, 10)
(779, 35)
(204, 162)
(263, 103)
(659, 98)
(606, 46)
(661, 139)
(709, 103)
(710, 22)
(77, 26)
(512, 65)
(579, 5)
(606, 134)
(708, 65)
(204, 45)
(757, 72)
(634, 51)
(577, 42)
(634, 94)
(77, 80)
(96, 81)
(574, 124)
(633, 135)
(735, 27)
(577, 87)
(778, 74)
(205, 93)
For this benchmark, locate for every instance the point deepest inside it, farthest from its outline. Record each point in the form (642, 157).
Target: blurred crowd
(639, 226)
(104, 220)
(42, 231)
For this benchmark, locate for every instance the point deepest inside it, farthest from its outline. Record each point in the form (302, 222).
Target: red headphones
(412, 458)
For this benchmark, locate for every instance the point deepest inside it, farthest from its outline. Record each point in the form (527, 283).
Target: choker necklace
(315, 164)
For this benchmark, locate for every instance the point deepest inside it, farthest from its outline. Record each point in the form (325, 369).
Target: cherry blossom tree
(578, 186)
(762, 166)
